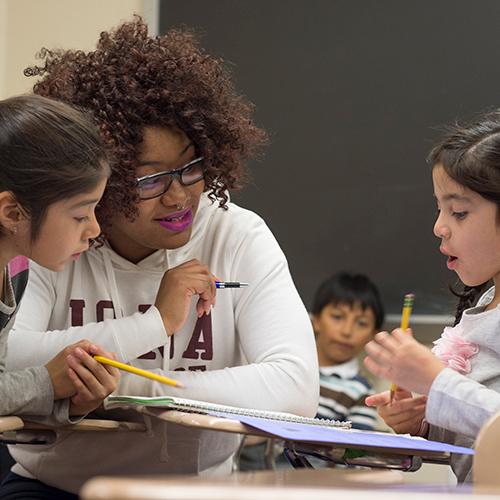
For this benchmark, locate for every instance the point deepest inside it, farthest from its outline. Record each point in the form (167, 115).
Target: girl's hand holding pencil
(400, 358)
(404, 415)
(73, 371)
(92, 381)
(138, 371)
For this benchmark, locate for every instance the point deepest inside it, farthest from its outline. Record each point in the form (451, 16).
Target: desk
(15, 430)
(324, 484)
(485, 470)
(201, 421)
(374, 457)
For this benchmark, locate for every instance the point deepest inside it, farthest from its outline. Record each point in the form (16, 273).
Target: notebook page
(206, 407)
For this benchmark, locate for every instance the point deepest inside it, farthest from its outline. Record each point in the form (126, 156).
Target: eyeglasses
(151, 186)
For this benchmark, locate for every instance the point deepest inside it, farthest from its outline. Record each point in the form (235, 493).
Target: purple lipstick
(178, 221)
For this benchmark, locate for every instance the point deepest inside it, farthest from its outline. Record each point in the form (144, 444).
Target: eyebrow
(151, 162)
(84, 203)
(455, 196)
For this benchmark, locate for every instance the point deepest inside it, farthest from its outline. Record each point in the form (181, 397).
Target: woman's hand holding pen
(403, 360)
(404, 415)
(74, 373)
(177, 287)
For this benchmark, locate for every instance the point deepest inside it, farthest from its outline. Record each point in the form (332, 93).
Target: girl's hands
(177, 287)
(75, 373)
(402, 360)
(404, 415)
(58, 370)
(93, 381)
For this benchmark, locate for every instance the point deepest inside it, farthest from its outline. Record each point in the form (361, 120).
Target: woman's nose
(176, 194)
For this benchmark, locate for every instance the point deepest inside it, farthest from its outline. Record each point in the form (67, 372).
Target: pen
(138, 371)
(405, 321)
(230, 284)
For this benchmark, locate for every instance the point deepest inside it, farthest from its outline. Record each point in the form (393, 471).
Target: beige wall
(3, 44)
(28, 25)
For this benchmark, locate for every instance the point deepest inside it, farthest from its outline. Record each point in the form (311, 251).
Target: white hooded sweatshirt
(255, 350)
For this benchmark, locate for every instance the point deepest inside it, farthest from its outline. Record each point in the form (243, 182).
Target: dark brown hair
(351, 290)
(48, 152)
(470, 155)
(132, 81)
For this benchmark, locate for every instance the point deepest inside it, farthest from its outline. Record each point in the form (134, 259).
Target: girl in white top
(178, 135)
(460, 382)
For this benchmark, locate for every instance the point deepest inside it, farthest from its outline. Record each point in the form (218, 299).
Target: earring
(179, 207)
(14, 230)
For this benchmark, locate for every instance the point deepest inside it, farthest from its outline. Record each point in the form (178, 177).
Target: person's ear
(11, 213)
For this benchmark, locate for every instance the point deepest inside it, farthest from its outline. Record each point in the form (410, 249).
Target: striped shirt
(342, 395)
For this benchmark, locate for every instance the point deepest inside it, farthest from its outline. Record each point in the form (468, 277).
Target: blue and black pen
(230, 284)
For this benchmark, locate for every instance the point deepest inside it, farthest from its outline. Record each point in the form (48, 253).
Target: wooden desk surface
(303, 484)
(188, 419)
(12, 423)
(201, 421)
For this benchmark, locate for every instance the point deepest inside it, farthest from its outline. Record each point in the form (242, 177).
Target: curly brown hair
(133, 80)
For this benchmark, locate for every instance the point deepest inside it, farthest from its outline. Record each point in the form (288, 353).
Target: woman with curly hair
(178, 136)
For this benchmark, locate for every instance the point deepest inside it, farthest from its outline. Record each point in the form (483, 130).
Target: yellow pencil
(405, 321)
(138, 371)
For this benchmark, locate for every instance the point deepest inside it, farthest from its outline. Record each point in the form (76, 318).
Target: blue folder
(351, 438)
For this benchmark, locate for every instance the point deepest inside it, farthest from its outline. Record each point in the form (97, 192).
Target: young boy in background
(347, 312)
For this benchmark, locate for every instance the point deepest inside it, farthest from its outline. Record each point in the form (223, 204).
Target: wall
(353, 93)
(28, 25)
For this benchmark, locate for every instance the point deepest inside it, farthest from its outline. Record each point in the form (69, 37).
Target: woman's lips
(178, 221)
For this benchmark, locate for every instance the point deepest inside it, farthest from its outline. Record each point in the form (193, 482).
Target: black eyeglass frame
(177, 173)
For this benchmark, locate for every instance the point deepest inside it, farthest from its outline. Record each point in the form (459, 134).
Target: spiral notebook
(183, 404)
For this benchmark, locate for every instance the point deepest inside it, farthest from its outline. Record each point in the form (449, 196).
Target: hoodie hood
(158, 262)
(161, 259)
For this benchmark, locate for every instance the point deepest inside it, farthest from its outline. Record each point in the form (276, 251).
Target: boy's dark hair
(48, 152)
(132, 81)
(349, 289)
(470, 155)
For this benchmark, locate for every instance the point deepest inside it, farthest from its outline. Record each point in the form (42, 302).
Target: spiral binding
(204, 407)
